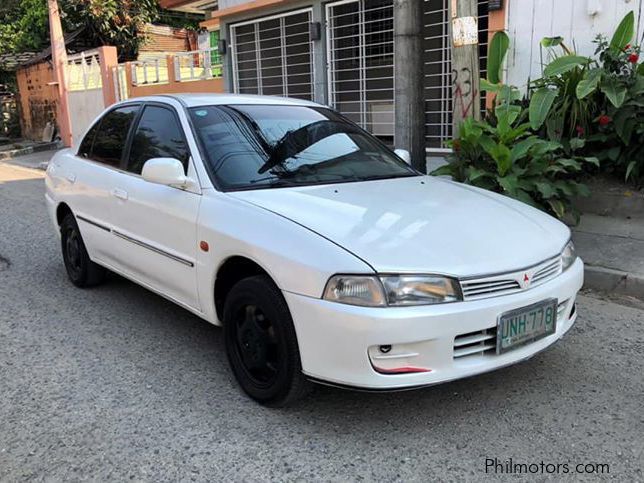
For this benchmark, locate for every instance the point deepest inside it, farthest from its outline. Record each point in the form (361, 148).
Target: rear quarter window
(111, 135)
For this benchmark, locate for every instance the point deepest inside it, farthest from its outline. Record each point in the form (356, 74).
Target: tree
(24, 23)
(112, 22)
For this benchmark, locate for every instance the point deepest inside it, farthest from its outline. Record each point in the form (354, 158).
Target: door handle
(71, 177)
(119, 193)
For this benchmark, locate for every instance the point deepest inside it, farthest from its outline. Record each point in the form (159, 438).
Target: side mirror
(404, 155)
(167, 171)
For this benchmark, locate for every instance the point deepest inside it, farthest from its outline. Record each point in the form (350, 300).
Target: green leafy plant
(504, 153)
(600, 98)
(507, 157)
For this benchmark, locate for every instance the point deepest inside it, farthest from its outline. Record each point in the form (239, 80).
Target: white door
(91, 177)
(155, 225)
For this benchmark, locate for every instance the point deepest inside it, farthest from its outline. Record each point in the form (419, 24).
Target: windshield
(260, 146)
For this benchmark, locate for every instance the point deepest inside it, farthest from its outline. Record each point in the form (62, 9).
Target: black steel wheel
(80, 269)
(261, 343)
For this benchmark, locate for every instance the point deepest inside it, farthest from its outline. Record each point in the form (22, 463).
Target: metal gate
(274, 55)
(438, 69)
(360, 54)
(85, 86)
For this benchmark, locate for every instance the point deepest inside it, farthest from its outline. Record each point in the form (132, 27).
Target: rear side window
(158, 135)
(85, 149)
(112, 134)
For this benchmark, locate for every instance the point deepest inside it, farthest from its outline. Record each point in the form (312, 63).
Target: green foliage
(588, 83)
(623, 34)
(540, 105)
(113, 22)
(601, 98)
(497, 51)
(505, 156)
(24, 24)
(563, 64)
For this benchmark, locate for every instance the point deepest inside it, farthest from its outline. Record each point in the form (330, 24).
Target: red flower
(633, 58)
(628, 46)
(580, 131)
(604, 120)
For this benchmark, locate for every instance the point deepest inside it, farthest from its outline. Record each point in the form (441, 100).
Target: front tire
(261, 344)
(81, 270)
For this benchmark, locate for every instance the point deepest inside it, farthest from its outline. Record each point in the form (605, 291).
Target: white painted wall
(231, 3)
(84, 107)
(578, 21)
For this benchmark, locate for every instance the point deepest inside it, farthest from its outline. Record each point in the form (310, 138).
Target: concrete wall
(38, 99)
(578, 21)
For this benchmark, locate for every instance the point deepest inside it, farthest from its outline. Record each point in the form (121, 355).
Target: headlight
(568, 255)
(392, 290)
(361, 290)
(420, 289)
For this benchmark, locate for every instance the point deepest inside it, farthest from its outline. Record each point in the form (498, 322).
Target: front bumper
(339, 343)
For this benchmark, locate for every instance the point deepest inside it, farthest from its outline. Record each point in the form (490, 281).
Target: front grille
(511, 282)
(482, 289)
(484, 341)
(475, 343)
(547, 272)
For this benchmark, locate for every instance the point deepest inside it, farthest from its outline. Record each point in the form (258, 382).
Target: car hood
(421, 224)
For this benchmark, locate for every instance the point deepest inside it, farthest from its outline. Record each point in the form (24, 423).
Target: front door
(155, 231)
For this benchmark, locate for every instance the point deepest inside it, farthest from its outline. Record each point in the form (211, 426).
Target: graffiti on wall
(464, 92)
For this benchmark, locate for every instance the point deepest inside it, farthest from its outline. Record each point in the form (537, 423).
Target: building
(341, 52)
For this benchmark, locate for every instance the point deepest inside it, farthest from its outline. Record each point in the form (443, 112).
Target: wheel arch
(62, 210)
(232, 270)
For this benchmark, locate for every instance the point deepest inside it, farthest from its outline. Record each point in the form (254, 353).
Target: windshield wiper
(255, 127)
(294, 142)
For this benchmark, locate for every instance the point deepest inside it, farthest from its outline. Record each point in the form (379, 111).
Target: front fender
(298, 260)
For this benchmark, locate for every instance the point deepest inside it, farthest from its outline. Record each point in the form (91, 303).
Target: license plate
(525, 325)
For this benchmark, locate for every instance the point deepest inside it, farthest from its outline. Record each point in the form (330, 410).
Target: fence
(195, 71)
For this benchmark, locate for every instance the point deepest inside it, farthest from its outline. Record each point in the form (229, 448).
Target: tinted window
(86, 146)
(158, 135)
(259, 146)
(112, 134)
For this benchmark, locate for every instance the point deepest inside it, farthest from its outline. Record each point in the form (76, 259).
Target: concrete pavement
(613, 249)
(116, 383)
(36, 160)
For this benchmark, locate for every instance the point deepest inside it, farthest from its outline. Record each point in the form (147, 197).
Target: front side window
(259, 146)
(158, 135)
(111, 136)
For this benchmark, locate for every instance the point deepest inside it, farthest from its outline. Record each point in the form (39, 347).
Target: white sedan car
(321, 252)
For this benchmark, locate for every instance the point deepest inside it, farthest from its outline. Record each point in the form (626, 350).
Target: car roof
(196, 100)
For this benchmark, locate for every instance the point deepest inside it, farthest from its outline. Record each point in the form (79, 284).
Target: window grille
(360, 54)
(274, 56)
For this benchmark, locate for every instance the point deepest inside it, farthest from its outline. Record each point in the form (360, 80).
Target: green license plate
(525, 325)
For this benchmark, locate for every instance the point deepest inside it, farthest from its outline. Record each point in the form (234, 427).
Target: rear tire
(261, 344)
(80, 269)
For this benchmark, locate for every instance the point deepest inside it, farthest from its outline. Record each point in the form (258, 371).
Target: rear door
(156, 225)
(91, 176)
